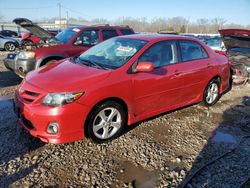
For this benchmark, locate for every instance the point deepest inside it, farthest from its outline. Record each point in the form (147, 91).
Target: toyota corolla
(117, 83)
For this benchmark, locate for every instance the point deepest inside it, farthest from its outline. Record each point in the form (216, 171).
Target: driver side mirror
(144, 67)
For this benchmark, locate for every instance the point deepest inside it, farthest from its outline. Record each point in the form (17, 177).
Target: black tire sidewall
(96, 111)
(206, 91)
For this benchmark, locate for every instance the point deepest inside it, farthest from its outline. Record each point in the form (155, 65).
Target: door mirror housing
(144, 67)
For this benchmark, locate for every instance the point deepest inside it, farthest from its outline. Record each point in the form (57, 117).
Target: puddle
(138, 176)
(221, 137)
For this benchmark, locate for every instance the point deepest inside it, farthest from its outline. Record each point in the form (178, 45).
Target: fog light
(53, 128)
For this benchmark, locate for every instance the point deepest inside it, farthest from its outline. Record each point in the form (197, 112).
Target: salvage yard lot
(161, 152)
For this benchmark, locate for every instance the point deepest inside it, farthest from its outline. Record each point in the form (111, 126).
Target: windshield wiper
(92, 63)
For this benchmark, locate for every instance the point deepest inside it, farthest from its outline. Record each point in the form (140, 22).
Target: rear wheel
(106, 122)
(212, 93)
(9, 46)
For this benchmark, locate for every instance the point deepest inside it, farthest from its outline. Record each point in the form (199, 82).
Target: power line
(28, 8)
(71, 10)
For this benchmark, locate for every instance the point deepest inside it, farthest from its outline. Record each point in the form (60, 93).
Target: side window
(160, 54)
(127, 31)
(87, 38)
(192, 50)
(108, 34)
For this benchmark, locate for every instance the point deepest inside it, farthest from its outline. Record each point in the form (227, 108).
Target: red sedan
(117, 83)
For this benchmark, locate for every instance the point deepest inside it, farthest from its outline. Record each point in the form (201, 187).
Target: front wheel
(211, 93)
(106, 122)
(9, 46)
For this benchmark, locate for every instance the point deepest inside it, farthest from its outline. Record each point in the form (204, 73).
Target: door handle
(209, 66)
(177, 73)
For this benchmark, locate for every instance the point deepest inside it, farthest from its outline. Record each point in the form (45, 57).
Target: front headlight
(59, 99)
(26, 55)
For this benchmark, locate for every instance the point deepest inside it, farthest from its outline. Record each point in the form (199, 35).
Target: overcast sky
(234, 11)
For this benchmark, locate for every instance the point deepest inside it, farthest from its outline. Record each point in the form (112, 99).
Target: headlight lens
(26, 55)
(59, 99)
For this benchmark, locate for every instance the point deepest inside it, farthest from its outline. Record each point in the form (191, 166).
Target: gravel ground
(164, 151)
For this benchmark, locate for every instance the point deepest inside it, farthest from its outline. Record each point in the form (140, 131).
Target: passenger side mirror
(144, 67)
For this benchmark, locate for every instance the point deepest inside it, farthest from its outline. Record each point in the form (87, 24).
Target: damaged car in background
(70, 42)
(237, 44)
(8, 43)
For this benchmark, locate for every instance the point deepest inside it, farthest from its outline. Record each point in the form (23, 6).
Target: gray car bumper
(20, 66)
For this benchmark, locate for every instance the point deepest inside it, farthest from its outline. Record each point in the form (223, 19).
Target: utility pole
(59, 5)
(67, 18)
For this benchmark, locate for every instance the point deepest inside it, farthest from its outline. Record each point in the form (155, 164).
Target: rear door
(194, 68)
(157, 90)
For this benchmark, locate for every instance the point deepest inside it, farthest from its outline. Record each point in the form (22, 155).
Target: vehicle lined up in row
(237, 44)
(9, 43)
(29, 38)
(116, 83)
(70, 42)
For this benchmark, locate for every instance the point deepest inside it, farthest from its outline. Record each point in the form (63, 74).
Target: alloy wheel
(106, 123)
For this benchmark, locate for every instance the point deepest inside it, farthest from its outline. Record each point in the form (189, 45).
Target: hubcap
(10, 47)
(106, 123)
(212, 93)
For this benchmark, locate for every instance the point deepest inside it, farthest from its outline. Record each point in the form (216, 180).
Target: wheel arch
(114, 99)
(42, 61)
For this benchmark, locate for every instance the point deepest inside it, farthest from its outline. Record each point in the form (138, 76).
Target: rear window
(127, 31)
(191, 50)
(106, 34)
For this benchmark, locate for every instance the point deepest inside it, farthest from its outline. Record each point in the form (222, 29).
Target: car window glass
(192, 50)
(160, 54)
(89, 37)
(108, 34)
(127, 31)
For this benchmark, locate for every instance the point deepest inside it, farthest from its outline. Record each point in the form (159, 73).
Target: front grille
(27, 123)
(29, 96)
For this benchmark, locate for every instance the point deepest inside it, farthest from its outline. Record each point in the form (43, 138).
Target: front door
(158, 89)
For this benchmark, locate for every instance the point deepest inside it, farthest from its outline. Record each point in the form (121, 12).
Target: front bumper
(35, 118)
(20, 66)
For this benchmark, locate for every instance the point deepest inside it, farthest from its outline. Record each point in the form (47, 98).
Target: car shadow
(8, 78)
(15, 142)
(224, 161)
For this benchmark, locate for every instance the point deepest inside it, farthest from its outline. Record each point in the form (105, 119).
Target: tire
(102, 126)
(212, 93)
(10, 46)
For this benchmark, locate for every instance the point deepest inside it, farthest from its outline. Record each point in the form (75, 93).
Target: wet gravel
(161, 152)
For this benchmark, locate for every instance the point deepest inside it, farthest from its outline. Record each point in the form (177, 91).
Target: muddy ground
(165, 151)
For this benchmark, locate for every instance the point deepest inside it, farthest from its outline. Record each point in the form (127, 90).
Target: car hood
(33, 28)
(235, 38)
(65, 76)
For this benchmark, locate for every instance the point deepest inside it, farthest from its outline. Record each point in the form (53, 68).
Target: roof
(152, 37)
(101, 26)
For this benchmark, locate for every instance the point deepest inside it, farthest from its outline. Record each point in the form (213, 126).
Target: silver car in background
(8, 43)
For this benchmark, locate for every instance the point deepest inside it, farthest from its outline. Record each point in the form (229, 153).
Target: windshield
(67, 34)
(213, 42)
(113, 53)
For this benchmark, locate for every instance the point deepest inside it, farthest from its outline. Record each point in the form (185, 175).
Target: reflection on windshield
(114, 52)
(66, 35)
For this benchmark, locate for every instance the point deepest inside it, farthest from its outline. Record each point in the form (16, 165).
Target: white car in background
(8, 43)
